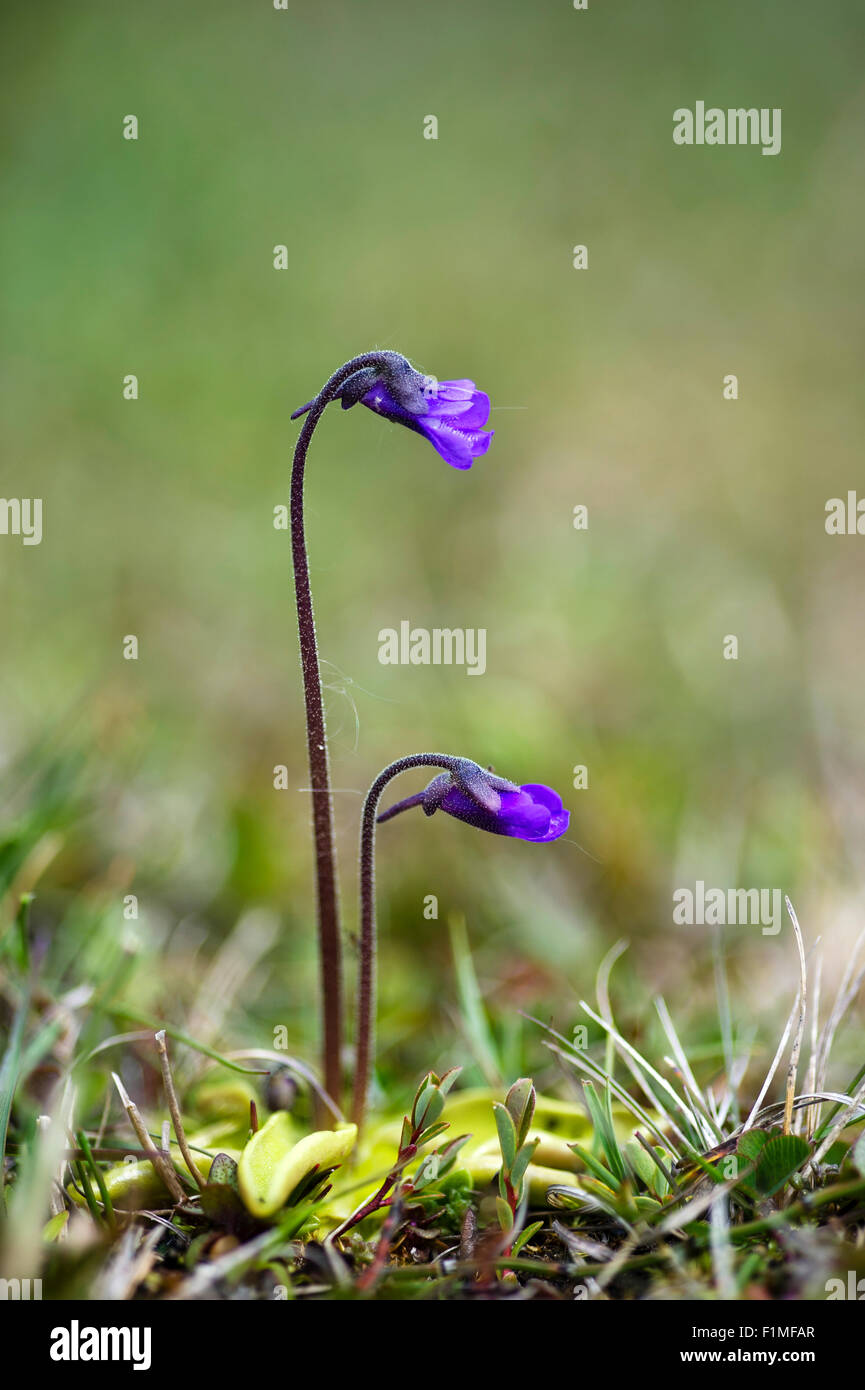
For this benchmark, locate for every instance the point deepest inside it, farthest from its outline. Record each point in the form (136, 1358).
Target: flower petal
(457, 447)
(545, 795)
(460, 402)
(450, 414)
(532, 812)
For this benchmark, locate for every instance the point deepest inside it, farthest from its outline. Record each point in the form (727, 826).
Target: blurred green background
(706, 517)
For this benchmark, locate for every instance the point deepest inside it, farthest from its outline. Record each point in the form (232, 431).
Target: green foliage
(513, 1121)
(277, 1168)
(600, 1109)
(780, 1157)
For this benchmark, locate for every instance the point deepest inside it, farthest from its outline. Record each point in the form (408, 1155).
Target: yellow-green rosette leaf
(131, 1187)
(274, 1163)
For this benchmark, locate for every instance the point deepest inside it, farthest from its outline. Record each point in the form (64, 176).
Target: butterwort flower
(450, 414)
(472, 794)
(530, 812)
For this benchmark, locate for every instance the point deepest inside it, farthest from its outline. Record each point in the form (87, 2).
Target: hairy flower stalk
(450, 415)
(471, 794)
(330, 945)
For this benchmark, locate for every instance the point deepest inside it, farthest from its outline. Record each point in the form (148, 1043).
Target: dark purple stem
(330, 946)
(366, 973)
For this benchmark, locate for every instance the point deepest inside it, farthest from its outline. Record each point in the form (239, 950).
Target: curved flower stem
(366, 975)
(330, 945)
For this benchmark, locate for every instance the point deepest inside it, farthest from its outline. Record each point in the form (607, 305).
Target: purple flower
(472, 794)
(453, 419)
(450, 414)
(531, 812)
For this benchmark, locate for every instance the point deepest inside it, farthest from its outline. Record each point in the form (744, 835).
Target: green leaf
(423, 1096)
(272, 1165)
(525, 1236)
(520, 1104)
(131, 1186)
(750, 1144)
(837, 1153)
(600, 1110)
(659, 1184)
(647, 1205)
(21, 938)
(428, 1135)
(93, 1167)
(428, 1172)
(429, 1101)
(52, 1228)
(449, 1151)
(221, 1204)
(521, 1163)
(640, 1163)
(780, 1157)
(507, 1135)
(432, 1113)
(448, 1079)
(223, 1170)
(594, 1166)
(859, 1153)
(504, 1213)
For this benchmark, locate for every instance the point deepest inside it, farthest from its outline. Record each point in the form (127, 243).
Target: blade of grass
(583, 1063)
(93, 1167)
(851, 982)
(602, 994)
(721, 1249)
(473, 1013)
(755, 1108)
(800, 1026)
(631, 1052)
(10, 1070)
(153, 1026)
(712, 1132)
(722, 994)
(842, 1121)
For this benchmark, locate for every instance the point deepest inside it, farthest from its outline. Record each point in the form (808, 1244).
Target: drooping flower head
(472, 794)
(450, 414)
